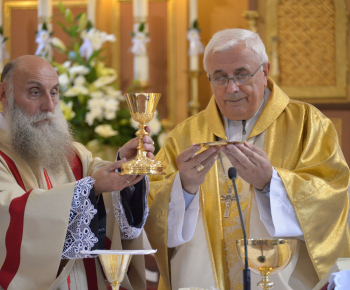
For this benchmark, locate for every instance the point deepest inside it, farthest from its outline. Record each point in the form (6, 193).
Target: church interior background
(308, 43)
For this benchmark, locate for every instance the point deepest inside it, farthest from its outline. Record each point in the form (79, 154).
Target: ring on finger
(200, 167)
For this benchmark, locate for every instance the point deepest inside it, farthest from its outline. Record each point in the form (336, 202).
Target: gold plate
(218, 143)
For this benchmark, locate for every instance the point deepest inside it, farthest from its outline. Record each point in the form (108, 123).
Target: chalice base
(142, 165)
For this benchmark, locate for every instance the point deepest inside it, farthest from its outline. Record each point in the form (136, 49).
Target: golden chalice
(142, 107)
(267, 256)
(115, 263)
(115, 268)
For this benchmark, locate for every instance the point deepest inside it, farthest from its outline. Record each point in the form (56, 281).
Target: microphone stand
(232, 173)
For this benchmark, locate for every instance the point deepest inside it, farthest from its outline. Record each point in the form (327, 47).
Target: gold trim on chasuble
(226, 265)
(231, 226)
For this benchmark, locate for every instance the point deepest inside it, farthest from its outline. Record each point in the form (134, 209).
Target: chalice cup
(267, 256)
(115, 268)
(142, 107)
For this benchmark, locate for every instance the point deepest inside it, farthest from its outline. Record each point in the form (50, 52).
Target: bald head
(24, 62)
(33, 82)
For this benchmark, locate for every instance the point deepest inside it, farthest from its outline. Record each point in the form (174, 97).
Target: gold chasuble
(302, 146)
(34, 214)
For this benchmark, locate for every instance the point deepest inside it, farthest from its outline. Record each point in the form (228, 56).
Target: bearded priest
(55, 198)
(292, 178)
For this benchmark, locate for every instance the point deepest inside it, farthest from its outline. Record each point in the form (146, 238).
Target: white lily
(64, 80)
(93, 40)
(59, 44)
(67, 110)
(113, 93)
(139, 42)
(105, 131)
(75, 91)
(78, 69)
(79, 80)
(44, 49)
(97, 94)
(104, 80)
(196, 46)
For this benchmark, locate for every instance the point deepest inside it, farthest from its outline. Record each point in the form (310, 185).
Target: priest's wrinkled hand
(107, 180)
(129, 149)
(194, 167)
(252, 163)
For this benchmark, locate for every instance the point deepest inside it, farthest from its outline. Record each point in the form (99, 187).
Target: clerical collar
(240, 130)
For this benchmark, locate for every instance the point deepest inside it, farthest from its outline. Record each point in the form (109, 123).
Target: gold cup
(266, 257)
(115, 268)
(142, 107)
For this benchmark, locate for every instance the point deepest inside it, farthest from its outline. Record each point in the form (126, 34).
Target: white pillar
(141, 62)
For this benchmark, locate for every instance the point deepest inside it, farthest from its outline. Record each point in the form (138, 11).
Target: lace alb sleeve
(79, 235)
(128, 232)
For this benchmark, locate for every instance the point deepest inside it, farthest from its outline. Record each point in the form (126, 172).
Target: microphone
(232, 174)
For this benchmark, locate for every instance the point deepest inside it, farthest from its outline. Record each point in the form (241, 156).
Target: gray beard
(48, 145)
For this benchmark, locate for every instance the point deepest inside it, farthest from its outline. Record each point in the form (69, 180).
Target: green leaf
(1, 30)
(142, 27)
(89, 25)
(44, 26)
(195, 24)
(82, 22)
(5, 39)
(68, 15)
(61, 7)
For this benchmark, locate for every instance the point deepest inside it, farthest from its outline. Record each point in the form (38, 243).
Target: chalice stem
(265, 283)
(115, 286)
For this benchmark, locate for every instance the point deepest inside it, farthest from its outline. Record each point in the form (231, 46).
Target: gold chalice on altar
(142, 107)
(267, 256)
(115, 268)
(115, 263)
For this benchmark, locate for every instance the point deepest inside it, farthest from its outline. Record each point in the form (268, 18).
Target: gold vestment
(302, 146)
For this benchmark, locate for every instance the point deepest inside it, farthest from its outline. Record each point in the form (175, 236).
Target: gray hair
(229, 38)
(7, 73)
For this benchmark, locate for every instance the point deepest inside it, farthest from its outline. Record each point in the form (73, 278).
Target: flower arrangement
(90, 99)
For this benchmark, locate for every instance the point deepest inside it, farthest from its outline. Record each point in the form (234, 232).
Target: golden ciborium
(267, 256)
(142, 107)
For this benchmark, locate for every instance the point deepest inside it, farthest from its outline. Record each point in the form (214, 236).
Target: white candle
(0, 12)
(45, 9)
(91, 11)
(141, 62)
(44, 13)
(140, 10)
(193, 13)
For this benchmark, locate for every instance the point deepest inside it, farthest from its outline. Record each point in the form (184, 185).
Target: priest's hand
(193, 167)
(252, 163)
(107, 180)
(129, 149)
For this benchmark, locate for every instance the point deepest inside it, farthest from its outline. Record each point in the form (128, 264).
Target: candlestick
(91, 11)
(252, 17)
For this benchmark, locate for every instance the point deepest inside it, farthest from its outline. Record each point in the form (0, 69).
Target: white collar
(234, 129)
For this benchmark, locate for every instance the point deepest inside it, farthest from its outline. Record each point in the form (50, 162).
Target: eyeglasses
(238, 79)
